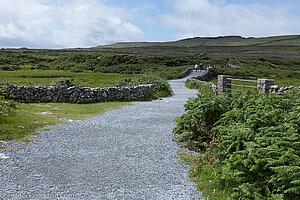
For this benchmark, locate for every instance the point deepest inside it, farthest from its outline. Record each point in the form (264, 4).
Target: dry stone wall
(281, 90)
(59, 94)
(187, 72)
(206, 76)
(264, 85)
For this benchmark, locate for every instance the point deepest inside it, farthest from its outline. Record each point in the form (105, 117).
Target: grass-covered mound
(162, 88)
(252, 145)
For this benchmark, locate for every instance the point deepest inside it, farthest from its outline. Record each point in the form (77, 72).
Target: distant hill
(222, 41)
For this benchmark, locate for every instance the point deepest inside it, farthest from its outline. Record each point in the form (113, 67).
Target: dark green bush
(76, 69)
(193, 128)
(68, 82)
(162, 88)
(203, 89)
(170, 75)
(123, 69)
(7, 108)
(9, 67)
(252, 140)
(4, 92)
(41, 66)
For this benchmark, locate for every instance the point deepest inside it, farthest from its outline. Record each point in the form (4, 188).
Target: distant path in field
(234, 66)
(124, 154)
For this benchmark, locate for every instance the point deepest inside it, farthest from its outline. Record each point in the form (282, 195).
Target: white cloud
(213, 18)
(76, 23)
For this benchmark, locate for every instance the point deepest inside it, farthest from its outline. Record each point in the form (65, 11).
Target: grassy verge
(201, 87)
(26, 119)
(204, 175)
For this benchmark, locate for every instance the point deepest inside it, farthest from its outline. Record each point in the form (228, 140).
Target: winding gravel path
(124, 154)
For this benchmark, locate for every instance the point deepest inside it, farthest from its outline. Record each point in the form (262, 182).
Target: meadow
(34, 77)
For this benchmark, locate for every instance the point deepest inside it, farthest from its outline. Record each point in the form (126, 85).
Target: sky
(88, 23)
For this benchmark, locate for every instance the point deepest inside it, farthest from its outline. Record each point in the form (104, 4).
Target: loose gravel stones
(124, 154)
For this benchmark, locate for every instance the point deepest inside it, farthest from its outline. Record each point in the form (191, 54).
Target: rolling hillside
(222, 41)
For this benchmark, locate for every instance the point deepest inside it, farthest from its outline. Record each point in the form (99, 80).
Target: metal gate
(239, 84)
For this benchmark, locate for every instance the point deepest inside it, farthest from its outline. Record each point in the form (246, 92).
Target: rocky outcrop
(42, 94)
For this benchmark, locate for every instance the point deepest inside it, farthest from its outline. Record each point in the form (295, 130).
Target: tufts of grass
(205, 174)
(26, 119)
(72, 111)
(203, 89)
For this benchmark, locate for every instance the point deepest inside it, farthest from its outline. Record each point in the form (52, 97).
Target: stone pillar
(264, 85)
(224, 83)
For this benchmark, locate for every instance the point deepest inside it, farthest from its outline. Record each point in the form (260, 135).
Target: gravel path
(124, 154)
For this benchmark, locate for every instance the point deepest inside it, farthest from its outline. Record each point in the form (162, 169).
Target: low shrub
(6, 108)
(68, 82)
(194, 127)
(9, 67)
(41, 66)
(170, 75)
(162, 88)
(4, 93)
(203, 88)
(251, 141)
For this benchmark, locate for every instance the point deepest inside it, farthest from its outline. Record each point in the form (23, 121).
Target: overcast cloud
(216, 17)
(77, 23)
(87, 23)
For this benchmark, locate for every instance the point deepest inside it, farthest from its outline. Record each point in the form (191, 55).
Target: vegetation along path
(124, 154)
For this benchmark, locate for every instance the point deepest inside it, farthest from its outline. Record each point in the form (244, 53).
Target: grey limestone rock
(76, 94)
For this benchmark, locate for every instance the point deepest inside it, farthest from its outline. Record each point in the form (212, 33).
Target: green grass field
(45, 77)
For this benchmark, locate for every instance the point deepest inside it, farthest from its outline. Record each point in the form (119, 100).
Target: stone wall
(206, 76)
(264, 85)
(187, 72)
(43, 94)
(281, 90)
